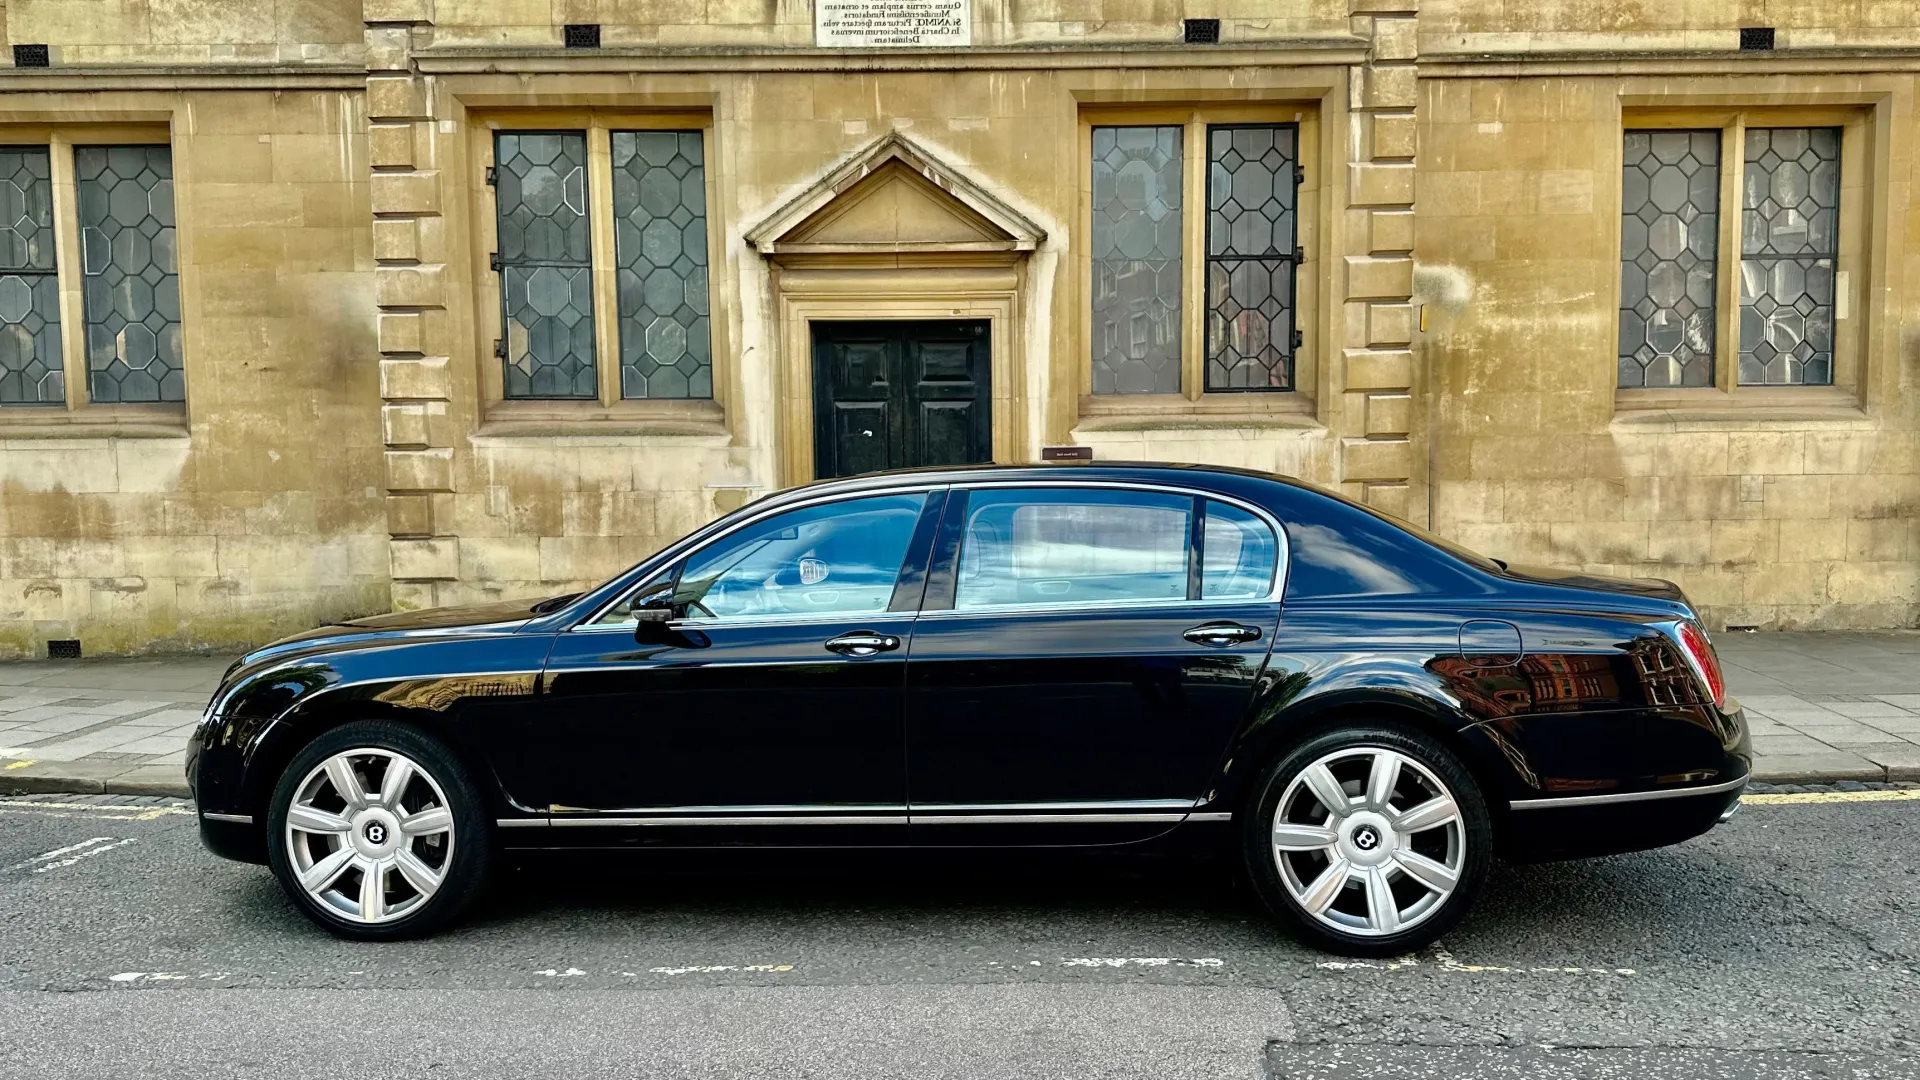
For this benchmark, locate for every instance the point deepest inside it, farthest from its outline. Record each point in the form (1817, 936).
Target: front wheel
(376, 833)
(1370, 841)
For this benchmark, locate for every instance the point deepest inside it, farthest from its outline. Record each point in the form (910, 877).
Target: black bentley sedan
(1022, 656)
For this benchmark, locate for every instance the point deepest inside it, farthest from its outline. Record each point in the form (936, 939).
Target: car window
(1072, 546)
(832, 559)
(1239, 554)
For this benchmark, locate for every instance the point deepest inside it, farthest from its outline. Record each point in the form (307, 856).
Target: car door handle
(863, 643)
(1221, 635)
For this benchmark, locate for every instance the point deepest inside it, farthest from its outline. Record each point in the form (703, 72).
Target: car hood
(498, 618)
(1651, 588)
(447, 618)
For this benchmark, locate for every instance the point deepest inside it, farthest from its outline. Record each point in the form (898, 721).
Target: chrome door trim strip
(1042, 819)
(237, 819)
(1117, 806)
(738, 819)
(1627, 796)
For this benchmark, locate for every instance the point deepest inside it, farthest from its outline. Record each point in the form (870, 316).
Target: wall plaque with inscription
(892, 24)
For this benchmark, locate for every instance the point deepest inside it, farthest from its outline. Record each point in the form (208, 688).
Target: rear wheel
(1370, 841)
(376, 832)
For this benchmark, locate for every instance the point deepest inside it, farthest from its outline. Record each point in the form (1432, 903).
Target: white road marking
(556, 973)
(97, 811)
(1142, 961)
(695, 969)
(89, 853)
(57, 852)
(1442, 960)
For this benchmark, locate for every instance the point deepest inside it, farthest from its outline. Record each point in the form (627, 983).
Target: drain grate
(63, 649)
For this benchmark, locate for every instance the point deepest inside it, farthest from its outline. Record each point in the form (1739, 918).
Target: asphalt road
(1785, 944)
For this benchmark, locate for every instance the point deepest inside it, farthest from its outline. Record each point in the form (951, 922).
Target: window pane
(30, 372)
(1239, 555)
(1251, 233)
(546, 287)
(660, 244)
(1669, 238)
(131, 277)
(842, 558)
(1789, 238)
(1073, 547)
(1136, 260)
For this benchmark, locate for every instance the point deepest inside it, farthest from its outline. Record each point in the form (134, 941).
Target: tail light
(1699, 652)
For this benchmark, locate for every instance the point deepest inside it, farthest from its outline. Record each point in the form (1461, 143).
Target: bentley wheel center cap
(376, 833)
(1366, 837)
(1367, 840)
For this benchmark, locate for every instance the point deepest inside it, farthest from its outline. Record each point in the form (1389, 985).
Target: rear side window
(1239, 555)
(1032, 547)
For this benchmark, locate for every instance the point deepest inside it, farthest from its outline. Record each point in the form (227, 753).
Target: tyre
(377, 833)
(1369, 841)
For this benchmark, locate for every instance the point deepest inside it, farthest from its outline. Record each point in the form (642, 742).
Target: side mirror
(652, 626)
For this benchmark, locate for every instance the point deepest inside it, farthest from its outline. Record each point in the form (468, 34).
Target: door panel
(753, 693)
(1095, 681)
(901, 395)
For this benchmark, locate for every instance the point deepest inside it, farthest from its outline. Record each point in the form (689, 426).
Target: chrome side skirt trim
(237, 819)
(1100, 813)
(1628, 796)
(1040, 819)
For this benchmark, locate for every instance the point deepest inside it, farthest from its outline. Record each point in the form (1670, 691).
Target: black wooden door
(894, 395)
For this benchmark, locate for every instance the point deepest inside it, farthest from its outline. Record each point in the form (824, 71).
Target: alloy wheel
(369, 835)
(1368, 841)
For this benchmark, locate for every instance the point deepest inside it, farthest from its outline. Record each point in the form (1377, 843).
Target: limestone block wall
(789, 23)
(104, 32)
(255, 511)
(1804, 512)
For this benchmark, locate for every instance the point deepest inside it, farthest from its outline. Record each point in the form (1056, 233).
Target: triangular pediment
(893, 198)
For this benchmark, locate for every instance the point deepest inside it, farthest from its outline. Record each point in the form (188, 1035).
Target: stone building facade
(318, 308)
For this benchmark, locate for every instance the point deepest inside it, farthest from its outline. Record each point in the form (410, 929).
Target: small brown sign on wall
(1066, 453)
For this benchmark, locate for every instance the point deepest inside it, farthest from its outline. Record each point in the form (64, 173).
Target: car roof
(1203, 476)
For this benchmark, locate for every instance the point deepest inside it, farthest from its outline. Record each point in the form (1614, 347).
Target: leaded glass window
(30, 364)
(546, 264)
(1669, 226)
(131, 277)
(660, 244)
(1251, 183)
(1789, 240)
(1136, 259)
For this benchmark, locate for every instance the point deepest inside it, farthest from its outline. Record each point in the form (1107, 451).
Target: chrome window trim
(1283, 550)
(672, 556)
(1628, 796)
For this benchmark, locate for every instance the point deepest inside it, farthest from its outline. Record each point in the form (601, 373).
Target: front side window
(1053, 547)
(841, 558)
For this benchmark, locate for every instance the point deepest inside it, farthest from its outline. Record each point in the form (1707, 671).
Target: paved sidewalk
(1824, 707)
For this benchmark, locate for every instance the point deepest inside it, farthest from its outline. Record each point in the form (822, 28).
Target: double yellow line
(1796, 798)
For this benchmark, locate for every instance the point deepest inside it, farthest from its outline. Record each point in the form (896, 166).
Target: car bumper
(1574, 825)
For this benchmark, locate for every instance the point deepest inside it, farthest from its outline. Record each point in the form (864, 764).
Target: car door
(1083, 657)
(755, 691)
